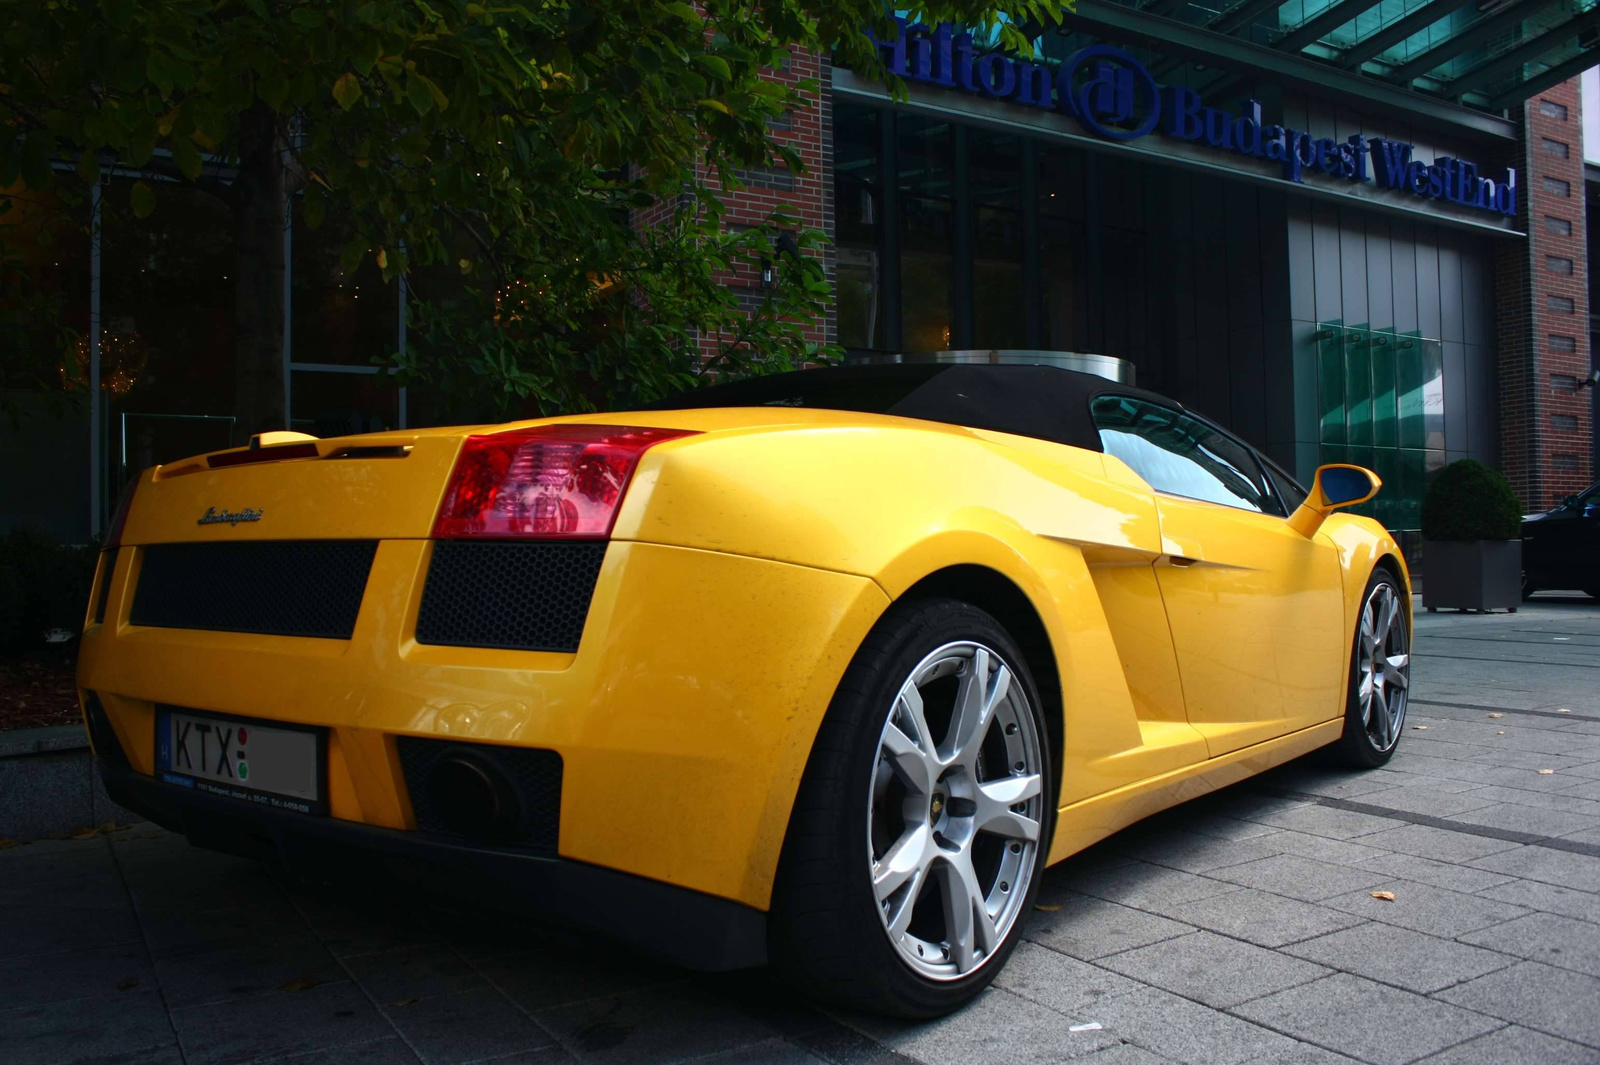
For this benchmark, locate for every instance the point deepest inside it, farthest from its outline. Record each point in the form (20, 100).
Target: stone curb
(15, 742)
(49, 784)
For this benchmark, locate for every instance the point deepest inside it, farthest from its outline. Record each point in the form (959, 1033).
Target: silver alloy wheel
(954, 817)
(1383, 666)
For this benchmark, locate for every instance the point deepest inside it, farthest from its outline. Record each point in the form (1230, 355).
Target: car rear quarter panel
(898, 504)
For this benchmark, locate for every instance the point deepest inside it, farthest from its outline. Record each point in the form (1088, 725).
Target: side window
(1180, 455)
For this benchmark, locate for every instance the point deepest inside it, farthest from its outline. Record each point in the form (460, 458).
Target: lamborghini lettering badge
(213, 516)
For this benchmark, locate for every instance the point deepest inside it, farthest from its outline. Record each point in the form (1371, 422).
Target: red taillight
(550, 481)
(119, 517)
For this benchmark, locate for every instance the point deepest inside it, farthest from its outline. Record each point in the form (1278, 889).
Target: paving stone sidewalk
(1238, 928)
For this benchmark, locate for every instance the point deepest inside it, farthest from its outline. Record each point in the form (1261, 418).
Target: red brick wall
(1543, 317)
(808, 196)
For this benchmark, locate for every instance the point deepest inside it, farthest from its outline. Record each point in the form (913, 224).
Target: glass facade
(1230, 297)
(1380, 404)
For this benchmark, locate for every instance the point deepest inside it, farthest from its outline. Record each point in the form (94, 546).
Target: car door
(1255, 609)
(1562, 548)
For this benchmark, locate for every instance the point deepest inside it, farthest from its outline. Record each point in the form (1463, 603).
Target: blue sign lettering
(1112, 95)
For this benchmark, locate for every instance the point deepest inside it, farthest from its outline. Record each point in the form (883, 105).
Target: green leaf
(89, 167)
(417, 92)
(717, 65)
(142, 198)
(186, 156)
(307, 18)
(716, 105)
(346, 90)
(314, 209)
(440, 100)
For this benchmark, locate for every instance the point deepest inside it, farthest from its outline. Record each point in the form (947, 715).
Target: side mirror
(1333, 487)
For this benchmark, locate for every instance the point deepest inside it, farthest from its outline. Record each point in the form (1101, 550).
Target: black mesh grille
(534, 776)
(515, 596)
(106, 745)
(273, 587)
(104, 592)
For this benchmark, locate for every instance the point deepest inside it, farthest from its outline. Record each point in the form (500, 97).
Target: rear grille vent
(509, 595)
(509, 796)
(272, 587)
(103, 594)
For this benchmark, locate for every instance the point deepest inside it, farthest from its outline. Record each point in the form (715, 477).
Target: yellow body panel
(747, 565)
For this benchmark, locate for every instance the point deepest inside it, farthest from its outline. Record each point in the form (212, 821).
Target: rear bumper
(683, 722)
(687, 927)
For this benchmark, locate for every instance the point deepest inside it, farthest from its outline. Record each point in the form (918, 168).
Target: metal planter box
(1476, 575)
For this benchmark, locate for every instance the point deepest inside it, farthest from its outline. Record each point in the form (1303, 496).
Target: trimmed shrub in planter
(1472, 540)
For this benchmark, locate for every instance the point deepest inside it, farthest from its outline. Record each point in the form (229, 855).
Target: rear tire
(1380, 676)
(923, 786)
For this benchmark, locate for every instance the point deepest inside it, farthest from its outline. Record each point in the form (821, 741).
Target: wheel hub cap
(1383, 666)
(955, 811)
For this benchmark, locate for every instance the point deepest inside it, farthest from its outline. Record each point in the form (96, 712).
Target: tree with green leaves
(497, 154)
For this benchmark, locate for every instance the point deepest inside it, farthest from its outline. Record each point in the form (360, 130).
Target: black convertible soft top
(1045, 402)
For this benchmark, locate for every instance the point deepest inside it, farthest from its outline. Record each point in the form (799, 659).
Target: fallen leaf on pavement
(1546, 772)
(1497, 715)
(403, 1003)
(127, 983)
(1386, 896)
(304, 983)
(1502, 732)
(1092, 1026)
(101, 829)
(1562, 710)
(1420, 728)
(7, 844)
(1047, 907)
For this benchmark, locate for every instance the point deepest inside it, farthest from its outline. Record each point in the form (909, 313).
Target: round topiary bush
(1469, 501)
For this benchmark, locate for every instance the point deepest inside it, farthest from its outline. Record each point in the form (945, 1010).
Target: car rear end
(432, 655)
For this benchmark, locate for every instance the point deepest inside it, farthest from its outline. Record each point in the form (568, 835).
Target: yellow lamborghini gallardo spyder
(818, 669)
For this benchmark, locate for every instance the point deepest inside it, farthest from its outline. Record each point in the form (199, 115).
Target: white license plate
(269, 765)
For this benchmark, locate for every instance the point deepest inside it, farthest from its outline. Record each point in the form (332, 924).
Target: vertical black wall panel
(1248, 384)
(1273, 234)
(1451, 312)
(1403, 253)
(1380, 277)
(1300, 261)
(1352, 268)
(1325, 262)
(1241, 227)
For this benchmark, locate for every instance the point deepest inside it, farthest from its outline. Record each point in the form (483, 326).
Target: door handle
(1181, 551)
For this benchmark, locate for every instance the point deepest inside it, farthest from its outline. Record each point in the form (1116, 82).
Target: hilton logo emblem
(1114, 96)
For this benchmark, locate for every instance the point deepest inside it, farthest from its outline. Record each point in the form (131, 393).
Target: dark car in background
(1561, 547)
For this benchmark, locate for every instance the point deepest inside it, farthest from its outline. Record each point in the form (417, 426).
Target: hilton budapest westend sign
(1113, 95)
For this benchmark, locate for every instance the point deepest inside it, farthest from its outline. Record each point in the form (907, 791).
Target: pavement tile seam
(1233, 1011)
(288, 1059)
(1147, 987)
(343, 964)
(138, 920)
(1450, 825)
(555, 1036)
(1496, 1022)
